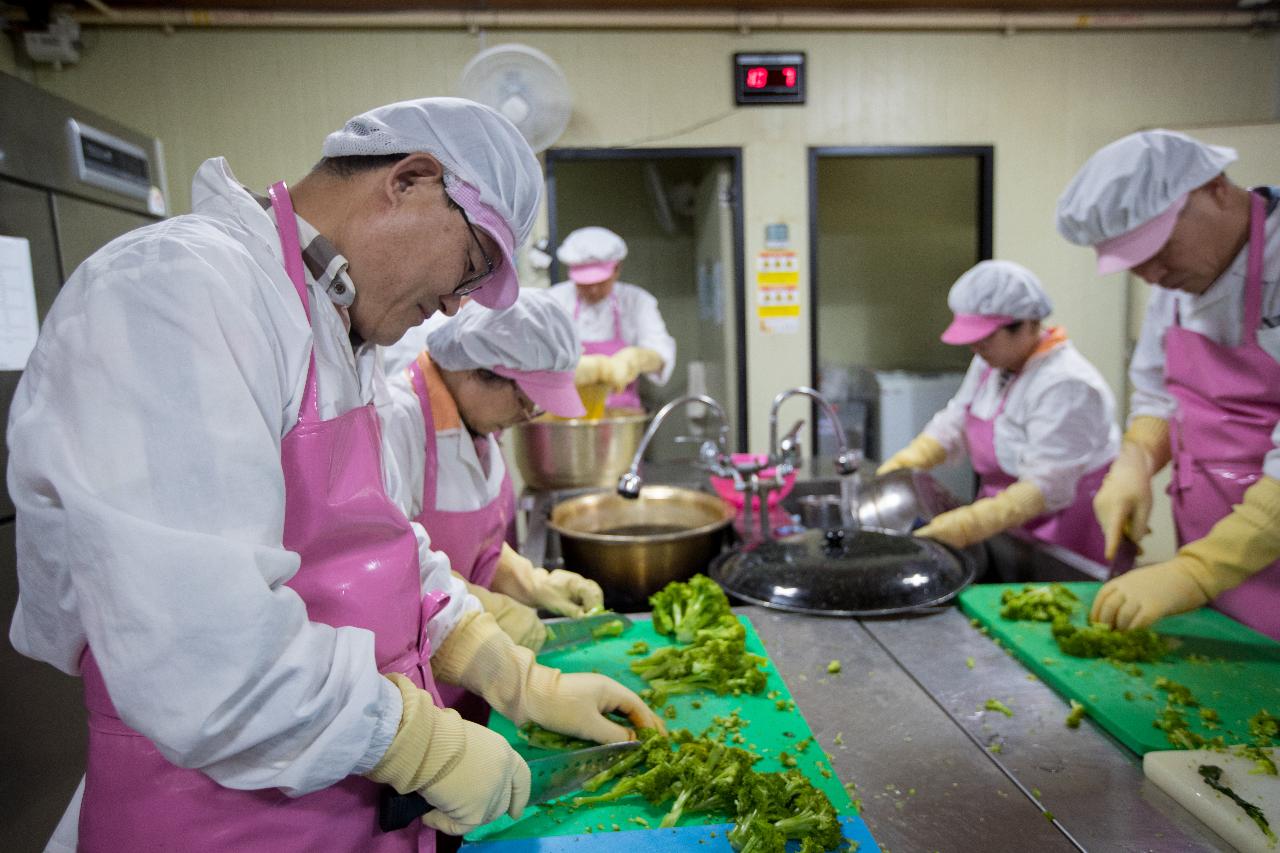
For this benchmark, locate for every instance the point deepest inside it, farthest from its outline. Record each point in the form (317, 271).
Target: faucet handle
(849, 462)
(629, 485)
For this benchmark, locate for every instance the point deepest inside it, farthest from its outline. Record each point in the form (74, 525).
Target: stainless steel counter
(917, 743)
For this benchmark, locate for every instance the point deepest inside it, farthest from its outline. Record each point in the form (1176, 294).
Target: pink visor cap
(501, 289)
(968, 329)
(1140, 244)
(552, 390)
(593, 272)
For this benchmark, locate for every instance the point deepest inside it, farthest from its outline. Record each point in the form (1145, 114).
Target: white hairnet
(1001, 289)
(592, 244)
(474, 142)
(1132, 181)
(534, 334)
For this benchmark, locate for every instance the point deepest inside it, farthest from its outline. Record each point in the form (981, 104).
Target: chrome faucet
(713, 454)
(787, 453)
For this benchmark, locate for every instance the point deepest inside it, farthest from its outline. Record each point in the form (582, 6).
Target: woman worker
(482, 372)
(1036, 419)
(622, 332)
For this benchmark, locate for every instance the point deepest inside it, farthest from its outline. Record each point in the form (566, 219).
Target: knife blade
(550, 778)
(569, 632)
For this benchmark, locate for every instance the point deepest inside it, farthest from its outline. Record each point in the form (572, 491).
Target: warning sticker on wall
(778, 292)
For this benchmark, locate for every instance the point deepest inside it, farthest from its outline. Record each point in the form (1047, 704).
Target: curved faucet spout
(847, 461)
(630, 482)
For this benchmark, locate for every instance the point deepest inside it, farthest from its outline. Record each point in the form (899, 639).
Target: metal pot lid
(846, 572)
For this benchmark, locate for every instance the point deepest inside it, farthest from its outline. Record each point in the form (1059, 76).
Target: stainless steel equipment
(70, 181)
(577, 453)
(901, 501)
(634, 547)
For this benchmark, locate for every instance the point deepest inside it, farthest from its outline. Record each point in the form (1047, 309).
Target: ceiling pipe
(742, 22)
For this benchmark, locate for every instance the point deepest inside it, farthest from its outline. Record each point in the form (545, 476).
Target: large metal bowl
(633, 548)
(577, 453)
(902, 500)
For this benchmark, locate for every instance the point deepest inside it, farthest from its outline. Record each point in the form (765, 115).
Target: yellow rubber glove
(1015, 506)
(1244, 542)
(1123, 503)
(923, 453)
(561, 592)
(517, 621)
(591, 370)
(478, 656)
(469, 773)
(628, 363)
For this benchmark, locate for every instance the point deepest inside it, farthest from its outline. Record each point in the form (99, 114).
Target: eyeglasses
(476, 281)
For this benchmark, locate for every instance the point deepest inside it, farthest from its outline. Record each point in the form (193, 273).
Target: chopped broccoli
(1041, 603)
(612, 628)
(721, 665)
(1178, 694)
(1102, 641)
(968, 662)
(997, 705)
(683, 609)
(639, 647)
(535, 735)
(1076, 714)
(833, 667)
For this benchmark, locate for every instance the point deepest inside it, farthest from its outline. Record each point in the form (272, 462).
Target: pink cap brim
(501, 290)
(552, 390)
(1139, 245)
(968, 329)
(592, 273)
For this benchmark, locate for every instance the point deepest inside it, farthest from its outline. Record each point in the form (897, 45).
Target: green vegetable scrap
(1212, 775)
(1178, 694)
(997, 705)
(968, 662)
(612, 628)
(639, 647)
(1172, 720)
(1264, 727)
(703, 776)
(1262, 763)
(1076, 714)
(683, 609)
(1102, 641)
(535, 735)
(669, 712)
(1042, 603)
(833, 667)
(720, 664)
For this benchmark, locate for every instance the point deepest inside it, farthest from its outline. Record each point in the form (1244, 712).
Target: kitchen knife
(550, 778)
(569, 632)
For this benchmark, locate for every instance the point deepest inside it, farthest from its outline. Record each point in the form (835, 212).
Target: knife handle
(396, 811)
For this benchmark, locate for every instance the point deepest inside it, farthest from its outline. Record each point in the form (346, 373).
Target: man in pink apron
(203, 530)
(1036, 419)
(485, 371)
(622, 332)
(1206, 373)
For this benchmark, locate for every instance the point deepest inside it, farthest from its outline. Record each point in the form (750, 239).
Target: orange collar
(1053, 337)
(444, 410)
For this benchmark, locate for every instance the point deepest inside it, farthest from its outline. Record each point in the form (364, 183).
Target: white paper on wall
(19, 324)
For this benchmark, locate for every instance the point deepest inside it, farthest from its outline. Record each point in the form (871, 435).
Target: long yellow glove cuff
(1246, 541)
(1016, 505)
(561, 592)
(1123, 502)
(517, 621)
(478, 656)
(470, 774)
(923, 452)
(641, 359)
(591, 369)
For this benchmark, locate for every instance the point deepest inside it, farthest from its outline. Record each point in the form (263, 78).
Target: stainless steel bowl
(573, 454)
(901, 500)
(633, 548)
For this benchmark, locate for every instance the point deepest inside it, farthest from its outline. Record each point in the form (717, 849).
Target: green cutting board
(1228, 667)
(770, 731)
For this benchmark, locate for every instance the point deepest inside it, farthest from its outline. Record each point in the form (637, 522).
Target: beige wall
(1044, 100)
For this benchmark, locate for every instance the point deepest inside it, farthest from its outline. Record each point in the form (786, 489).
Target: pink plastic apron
(472, 539)
(1073, 527)
(1228, 404)
(629, 397)
(359, 567)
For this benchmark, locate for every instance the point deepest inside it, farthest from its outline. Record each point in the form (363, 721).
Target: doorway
(680, 212)
(891, 229)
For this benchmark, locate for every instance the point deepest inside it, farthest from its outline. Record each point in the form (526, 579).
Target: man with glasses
(1206, 374)
(203, 530)
(481, 372)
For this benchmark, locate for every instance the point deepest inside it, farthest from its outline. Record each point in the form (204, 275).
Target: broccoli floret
(639, 647)
(833, 667)
(682, 609)
(720, 665)
(1076, 715)
(1102, 641)
(612, 628)
(997, 705)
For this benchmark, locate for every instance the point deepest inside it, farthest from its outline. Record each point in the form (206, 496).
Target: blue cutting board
(770, 731)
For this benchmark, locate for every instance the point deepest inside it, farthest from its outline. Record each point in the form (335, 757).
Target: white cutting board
(1176, 772)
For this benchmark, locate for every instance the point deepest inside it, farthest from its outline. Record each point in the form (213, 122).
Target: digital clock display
(768, 78)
